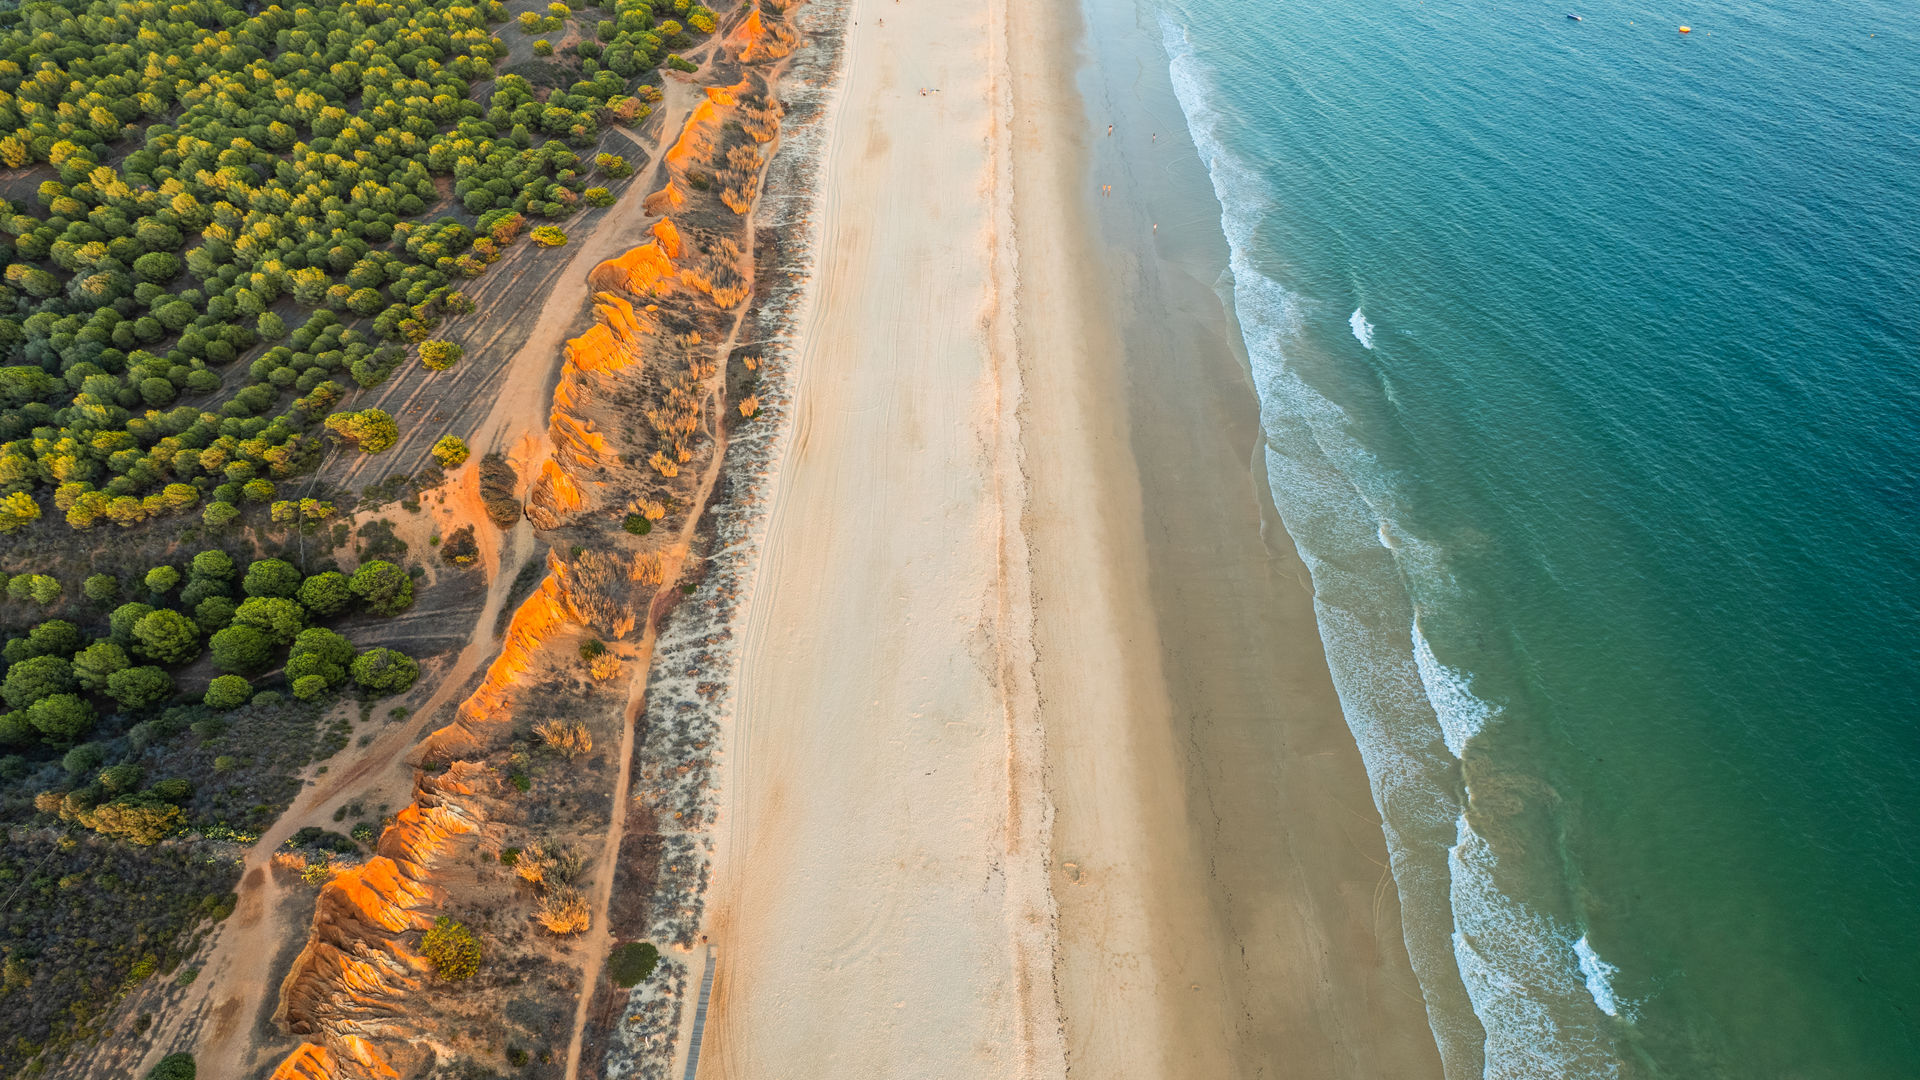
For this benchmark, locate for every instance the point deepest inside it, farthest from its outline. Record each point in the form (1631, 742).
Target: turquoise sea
(1589, 362)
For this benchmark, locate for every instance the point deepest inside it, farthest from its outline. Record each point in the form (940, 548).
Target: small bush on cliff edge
(452, 950)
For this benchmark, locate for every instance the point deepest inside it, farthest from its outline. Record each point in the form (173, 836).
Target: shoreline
(1250, 896)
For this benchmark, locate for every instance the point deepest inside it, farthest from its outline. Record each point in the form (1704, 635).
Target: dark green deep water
(1613, 524)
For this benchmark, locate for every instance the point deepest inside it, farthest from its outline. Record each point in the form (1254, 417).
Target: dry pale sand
(879, 900)
(1010, 544)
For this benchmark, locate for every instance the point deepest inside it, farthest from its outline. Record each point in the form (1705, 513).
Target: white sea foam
(1461, 714)
(1362, 329)
(1503, 983)
(1599, 975)
(1521, 969)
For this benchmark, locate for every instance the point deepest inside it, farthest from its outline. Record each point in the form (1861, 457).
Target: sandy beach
(879, 901)
(1036, 765)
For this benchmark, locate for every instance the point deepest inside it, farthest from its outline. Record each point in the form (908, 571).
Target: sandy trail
(878, 899)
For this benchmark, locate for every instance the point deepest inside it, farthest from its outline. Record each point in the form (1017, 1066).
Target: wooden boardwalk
(700, 1014)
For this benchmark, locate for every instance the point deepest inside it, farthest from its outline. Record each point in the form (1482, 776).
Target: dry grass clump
(740, 180)
(532, 864)
(548, 864)
(761, 124)
(650, 568)
(570, 737)
(604, 667)
(563, 911)
(675, 423)
(717, 273)
(749, 405)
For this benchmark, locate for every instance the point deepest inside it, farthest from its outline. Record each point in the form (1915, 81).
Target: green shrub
(451, 949)
(122, 778)
(439, 355)
(632, 963)
(637, 525)
(385, 671)
(451, 451)
(83, 759)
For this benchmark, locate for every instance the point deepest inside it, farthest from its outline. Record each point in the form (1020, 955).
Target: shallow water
(1587, 354)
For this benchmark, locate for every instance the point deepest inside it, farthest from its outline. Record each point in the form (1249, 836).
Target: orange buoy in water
(1686, 29)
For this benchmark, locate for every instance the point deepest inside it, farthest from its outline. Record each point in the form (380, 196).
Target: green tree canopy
(214, 565)
(162, 579)
(37, 677)
(138, 687)
(439, 355)
(243, 650)
(138, 821)
(93, 665)
(227, 692)
(383, 588)
(371, 430)
(275, 616)
(61, 718)
(271, 577)
(319, 651)
(325, 593)
(55, 637)
(101, 588)
(167, 636)
(214, 614)
(124, 618)
(451, 451)
(17, 511)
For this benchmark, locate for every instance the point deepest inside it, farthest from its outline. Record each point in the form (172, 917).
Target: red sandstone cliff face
(612, 350)
(359, 962)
